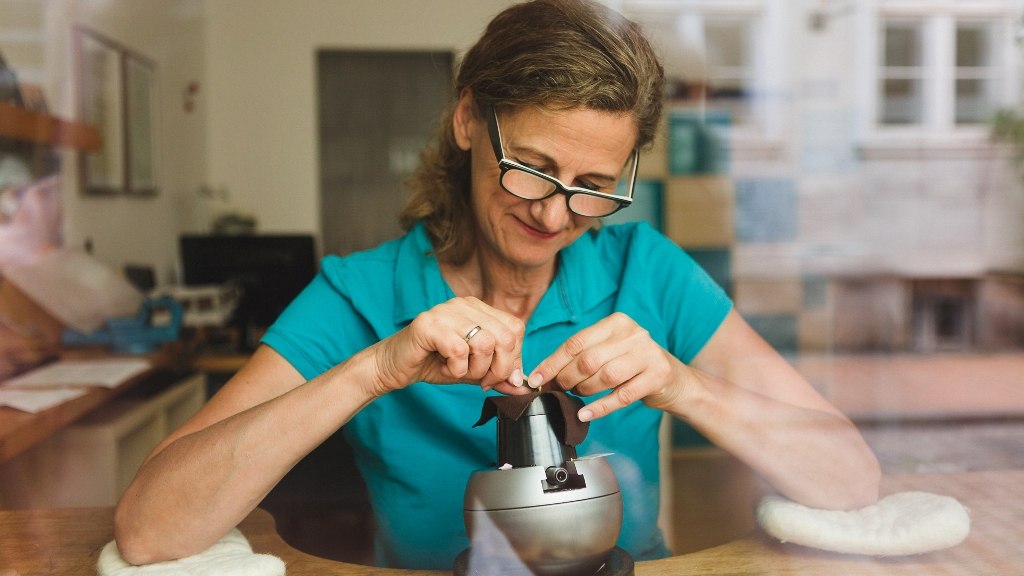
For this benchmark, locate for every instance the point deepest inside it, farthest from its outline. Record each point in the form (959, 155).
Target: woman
(504, 281)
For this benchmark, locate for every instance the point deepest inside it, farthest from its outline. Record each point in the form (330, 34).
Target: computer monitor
(271, 269)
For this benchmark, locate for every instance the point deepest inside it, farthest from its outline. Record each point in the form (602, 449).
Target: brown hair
(560, 54)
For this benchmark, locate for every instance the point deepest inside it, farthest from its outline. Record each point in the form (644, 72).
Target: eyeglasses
(529, 184)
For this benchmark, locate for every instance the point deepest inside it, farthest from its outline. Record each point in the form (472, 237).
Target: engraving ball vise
(543, 511)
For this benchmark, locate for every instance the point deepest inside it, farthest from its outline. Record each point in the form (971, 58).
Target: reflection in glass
(902, 102)
(901, 99)
(730, 65)
(976, 84)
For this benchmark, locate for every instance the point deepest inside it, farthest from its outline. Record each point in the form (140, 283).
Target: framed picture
(139, 118)
(117, 94)
(100, 103)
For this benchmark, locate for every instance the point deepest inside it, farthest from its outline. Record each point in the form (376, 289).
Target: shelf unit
(91, 462)
(25, 125)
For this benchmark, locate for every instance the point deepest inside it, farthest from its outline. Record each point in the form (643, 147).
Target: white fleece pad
(231, 556)
(897, 525)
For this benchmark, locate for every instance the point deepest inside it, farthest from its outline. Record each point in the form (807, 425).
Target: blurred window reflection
(977, 78)
(716, 55)
(903, 72)
(729, 44)
(941, 66)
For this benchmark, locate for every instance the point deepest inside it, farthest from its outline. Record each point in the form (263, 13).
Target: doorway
(376, 112)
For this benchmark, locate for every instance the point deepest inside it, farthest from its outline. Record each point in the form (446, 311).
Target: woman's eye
(607, 188)
(535, 168)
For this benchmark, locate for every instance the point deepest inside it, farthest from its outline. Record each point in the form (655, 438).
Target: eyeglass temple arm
(492, 129)
(632, 177)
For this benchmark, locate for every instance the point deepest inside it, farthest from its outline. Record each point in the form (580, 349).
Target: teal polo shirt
(416, 447)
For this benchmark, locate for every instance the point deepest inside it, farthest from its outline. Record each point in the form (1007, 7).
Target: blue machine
(157, 322)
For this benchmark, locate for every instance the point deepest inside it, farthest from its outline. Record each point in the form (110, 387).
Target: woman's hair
(555, 54)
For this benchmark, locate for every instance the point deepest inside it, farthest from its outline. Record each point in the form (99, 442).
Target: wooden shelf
(30, 126)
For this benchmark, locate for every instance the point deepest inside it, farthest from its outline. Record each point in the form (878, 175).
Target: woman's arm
(747, 399)
(208, 475)
(738, 392)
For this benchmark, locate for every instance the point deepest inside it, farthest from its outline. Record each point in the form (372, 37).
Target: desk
(68, 541)
(20, 431)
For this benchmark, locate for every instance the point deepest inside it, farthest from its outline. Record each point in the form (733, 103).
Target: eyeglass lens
(533, 187)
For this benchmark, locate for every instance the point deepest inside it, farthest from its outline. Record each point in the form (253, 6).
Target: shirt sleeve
(321, 327)
(684, 298)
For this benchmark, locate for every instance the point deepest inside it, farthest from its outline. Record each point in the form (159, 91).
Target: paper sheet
(38, 400)
(108, 372)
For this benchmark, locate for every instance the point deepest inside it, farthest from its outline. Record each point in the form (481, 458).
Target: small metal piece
(472, 332)
(556, 475)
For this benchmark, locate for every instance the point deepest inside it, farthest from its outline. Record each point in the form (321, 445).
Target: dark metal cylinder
(531, 440)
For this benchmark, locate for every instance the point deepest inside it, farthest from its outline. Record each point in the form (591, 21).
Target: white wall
(169, 32)
(261, 67)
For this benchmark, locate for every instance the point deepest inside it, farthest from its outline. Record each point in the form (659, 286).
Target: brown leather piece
(513, 407)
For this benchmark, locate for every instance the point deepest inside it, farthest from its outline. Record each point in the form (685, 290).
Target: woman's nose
(551, 213)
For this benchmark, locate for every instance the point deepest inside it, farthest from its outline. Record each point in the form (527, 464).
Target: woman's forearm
(199, 486)
(814, 457)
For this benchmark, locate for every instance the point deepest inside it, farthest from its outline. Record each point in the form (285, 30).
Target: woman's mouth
(535, 233)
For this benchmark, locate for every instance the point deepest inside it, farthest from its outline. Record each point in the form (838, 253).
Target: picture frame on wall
(139, 121)
(117, 93)
(100, 103)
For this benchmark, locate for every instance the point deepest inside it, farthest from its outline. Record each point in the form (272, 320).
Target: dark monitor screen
(271, 269)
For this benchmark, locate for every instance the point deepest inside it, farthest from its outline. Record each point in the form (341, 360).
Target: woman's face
(576, 146)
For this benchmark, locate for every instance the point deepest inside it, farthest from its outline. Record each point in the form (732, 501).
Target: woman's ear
(463, 120)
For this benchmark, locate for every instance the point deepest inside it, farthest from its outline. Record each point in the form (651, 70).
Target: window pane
(729, 67)
(977, 78)
(902, 101)
(901, 89)
(972, 45)
(902, 44)
(975, 101)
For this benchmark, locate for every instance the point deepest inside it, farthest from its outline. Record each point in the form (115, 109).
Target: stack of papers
(65, 380)
(38, 400)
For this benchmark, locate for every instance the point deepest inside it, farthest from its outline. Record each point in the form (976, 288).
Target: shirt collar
(418, 281)
(581, 283)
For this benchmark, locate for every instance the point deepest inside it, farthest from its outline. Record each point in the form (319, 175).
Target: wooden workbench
(68, 541)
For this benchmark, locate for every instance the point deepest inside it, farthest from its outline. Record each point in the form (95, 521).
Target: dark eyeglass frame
(505, 165)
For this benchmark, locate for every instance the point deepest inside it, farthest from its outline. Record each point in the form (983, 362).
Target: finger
(620, 397)
(481, 354)
(505, 388)
(457, 363)
(506, 362)
(566, 353)
(595, 372)
(463, 341)
(468, 341)
(508, 332)
(599, 367)
(436, 354)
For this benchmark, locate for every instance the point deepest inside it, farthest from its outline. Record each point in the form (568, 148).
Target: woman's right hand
(434, 348)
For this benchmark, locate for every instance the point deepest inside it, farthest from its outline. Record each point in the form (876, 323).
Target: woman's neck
(511, 289)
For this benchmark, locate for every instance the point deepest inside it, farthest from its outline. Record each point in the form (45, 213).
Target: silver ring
(471, 333)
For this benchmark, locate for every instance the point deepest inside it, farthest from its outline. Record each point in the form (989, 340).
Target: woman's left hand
(614, 354)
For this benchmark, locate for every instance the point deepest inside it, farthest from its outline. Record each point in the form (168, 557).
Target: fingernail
(536, 380)
(585, 415)
(516, 379)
